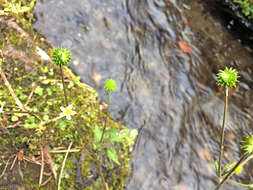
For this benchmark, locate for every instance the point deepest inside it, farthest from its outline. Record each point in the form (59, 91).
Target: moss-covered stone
(36, 83)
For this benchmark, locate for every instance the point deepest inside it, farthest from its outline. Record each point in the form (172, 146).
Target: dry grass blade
(42, 165)
(45, 182)
(63, 165)
(64, 151)
(7, 84)
(6, 165)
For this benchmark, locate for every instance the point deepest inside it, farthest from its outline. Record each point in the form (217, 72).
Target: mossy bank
(33, 138)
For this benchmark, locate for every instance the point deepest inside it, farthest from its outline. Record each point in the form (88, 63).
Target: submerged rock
(235, 11)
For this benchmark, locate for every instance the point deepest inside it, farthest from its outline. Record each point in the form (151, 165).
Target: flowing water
(170, 96)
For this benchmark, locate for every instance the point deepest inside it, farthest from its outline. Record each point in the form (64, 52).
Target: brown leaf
(20, 154)
(49, 161)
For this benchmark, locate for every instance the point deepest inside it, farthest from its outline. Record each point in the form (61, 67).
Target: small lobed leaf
(97, 133)
(112, 155)
(39, 91)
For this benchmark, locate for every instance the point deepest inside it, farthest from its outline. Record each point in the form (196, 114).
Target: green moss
(27, 73)
(246, 7)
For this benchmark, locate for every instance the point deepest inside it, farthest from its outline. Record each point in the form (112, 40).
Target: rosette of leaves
(227, 77)
(61, 56)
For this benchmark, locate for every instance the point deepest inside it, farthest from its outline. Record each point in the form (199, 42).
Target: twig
(14, 161)
(63, 165)
(6, 165)
(7, 84)
(47, 174)
(42, 165)
(15, 125)
(30, 96)
(222, 132)
(49, 121)
(30, 160)
(45, 182)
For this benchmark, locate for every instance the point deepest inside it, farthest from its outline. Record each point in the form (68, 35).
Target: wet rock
(234, 10)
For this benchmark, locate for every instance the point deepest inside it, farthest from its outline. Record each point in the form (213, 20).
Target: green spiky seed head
(110, 85)
(227, 77)
(61, 56)
(247, 145)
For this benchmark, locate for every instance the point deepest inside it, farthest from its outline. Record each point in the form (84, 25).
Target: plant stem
(64, 88)
(242, 160)
(108, 110)
(222, 132)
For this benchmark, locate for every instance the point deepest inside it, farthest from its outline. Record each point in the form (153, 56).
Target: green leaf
(77, 79)
(226, 167)
(49, 91)
(115, 136)
(51, 71)
(216, 165)
(71, 84)
(62, 124)
(30, 120)
(44, 69)
(97, 133)
(39, 91)
(30, 126)
(14, 118)
(45, 117)
(112, 155)
(47, 81)
(124, 132)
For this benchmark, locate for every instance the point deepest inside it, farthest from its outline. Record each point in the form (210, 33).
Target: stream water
(170, 96)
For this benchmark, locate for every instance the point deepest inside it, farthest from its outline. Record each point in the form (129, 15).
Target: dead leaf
(49, 161)
(20, 154)
(185, 48)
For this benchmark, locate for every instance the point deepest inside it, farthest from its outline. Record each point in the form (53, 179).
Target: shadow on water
(170, 96)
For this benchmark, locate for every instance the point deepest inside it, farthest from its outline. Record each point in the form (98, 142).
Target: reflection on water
(169, 95)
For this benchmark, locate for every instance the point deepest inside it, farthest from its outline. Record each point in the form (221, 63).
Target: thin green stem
(244, 157)
(64, 88)
(108, 112)
(222, 132)
(242, 184)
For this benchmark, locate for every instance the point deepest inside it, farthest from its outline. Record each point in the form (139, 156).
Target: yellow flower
(67, 112)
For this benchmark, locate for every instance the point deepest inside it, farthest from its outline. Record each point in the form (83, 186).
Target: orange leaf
(185, 48)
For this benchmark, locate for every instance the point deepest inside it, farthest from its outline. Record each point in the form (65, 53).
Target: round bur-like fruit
(61, 57)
